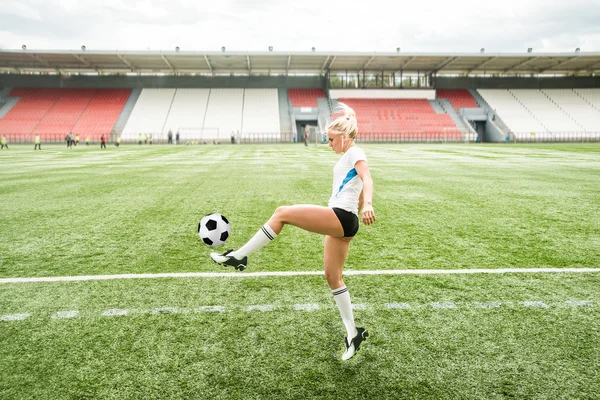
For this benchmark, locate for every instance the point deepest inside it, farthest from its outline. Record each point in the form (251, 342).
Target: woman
(352, 191)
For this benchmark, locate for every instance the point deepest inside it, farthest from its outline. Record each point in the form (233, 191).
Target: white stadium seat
(149, 114)
(223, 114)
(187, 112)
(261, 114)
(520, 121)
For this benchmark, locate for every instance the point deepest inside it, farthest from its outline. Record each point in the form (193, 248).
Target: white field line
(298, 273)
(116, 312)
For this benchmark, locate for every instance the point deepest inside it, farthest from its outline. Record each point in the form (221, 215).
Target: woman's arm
(366, 198)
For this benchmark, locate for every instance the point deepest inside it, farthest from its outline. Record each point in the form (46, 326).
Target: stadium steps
(458, 121)
(435, 104)
(206, 109)
(4, 95)
(9, 102)
(324, 112)
(491, 113)
(169, 112)
(333, 105)
(285, 119)
(126, 113)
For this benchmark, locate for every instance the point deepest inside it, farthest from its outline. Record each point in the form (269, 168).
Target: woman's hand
(368, 214)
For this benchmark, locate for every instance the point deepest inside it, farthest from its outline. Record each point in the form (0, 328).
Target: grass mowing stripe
(298, 273)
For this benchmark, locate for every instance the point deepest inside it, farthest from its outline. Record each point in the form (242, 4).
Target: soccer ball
(214, 229)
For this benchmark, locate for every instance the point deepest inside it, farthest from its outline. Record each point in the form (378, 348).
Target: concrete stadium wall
(518, 83)
(82, 81)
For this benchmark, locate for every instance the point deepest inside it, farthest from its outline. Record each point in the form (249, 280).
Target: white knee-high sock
(342, 299)
(258, 241)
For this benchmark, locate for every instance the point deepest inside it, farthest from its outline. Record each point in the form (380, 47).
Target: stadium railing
(432, 136)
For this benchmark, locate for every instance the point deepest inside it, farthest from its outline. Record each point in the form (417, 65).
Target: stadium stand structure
(546, 114)
(206, 114)
(576, 108)
(261, 117)
(259, 114)
(54, 112)
(149, 114)
(401, 119)
(126, 112)
(592, 96)
(224, 113)
(102, 112)
(459, 98)
(518, 119)
(187, 110)
(305, 97)
(285, 118)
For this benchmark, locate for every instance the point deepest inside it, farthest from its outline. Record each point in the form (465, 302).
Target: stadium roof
(226, 62)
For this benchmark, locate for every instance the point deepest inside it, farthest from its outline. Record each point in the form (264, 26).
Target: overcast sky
(248, 25)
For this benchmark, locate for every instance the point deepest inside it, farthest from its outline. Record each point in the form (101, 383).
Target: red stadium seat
(459, 98)
(53, 112)
(400, 119)
(305, 97)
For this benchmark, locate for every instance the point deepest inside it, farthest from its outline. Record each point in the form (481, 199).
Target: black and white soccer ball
(214, 229)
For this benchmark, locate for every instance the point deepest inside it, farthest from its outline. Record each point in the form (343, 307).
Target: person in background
(170, 137)
(103, 141)
(87, 141)
(306, 132)
(38, 142)
(140, 139)
(76, 139)
(149, 139)
(3, 142)
(118, 142)
(177, 137)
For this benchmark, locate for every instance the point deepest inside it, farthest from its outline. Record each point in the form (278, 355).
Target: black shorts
(348, 220)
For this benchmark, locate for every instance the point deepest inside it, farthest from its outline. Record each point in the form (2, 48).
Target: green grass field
(135, 210)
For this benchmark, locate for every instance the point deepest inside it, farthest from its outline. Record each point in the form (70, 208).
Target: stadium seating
(592, 96)
(149, 114)
(53, 112)
(546, 114)
(401, 119)
(65, 112)
(576, 107)
(545, 111)
(29, 110)
(187, 112)
(101, 113)
(518, 118)
(204, 114)
(459, 98)
(261, 113)
(305, 97)
(224, 113)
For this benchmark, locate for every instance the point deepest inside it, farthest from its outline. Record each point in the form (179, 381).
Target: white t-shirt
(347, 185)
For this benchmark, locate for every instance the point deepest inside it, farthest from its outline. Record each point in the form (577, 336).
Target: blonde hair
(345, 125)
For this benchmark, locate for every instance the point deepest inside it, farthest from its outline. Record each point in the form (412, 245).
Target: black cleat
(354, 345)
(230, 261)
